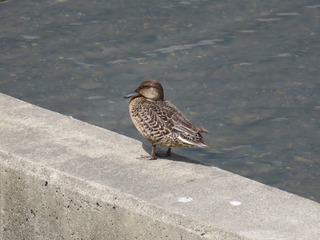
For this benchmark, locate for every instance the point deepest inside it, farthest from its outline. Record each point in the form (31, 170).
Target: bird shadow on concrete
(173, 157)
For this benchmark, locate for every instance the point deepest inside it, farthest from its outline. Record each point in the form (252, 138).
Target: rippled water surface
(248, 71)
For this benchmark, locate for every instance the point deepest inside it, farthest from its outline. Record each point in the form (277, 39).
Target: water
(247, 71)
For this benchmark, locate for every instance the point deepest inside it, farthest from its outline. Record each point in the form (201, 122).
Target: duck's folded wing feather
(154, 121)
(164, 118)
(180, 121)
(166, 114)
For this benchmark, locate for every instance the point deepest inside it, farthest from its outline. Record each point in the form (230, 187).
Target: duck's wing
(154, 122)
(164, 118)
(179, 121)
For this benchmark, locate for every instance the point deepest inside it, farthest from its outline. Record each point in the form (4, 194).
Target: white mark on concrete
(185, 199)
(235, 203)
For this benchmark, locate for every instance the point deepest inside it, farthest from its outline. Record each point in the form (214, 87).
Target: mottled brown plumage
(159, 121)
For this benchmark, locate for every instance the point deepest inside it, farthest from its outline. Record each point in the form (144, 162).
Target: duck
(160, 122)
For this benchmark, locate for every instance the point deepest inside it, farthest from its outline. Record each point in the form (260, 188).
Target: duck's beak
(132, 94)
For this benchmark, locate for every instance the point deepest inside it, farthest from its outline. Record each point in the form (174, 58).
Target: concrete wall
(64, 179)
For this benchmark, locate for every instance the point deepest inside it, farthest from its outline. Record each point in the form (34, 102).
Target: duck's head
(150, 89)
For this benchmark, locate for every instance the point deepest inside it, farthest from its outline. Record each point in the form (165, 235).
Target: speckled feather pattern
(163, 124)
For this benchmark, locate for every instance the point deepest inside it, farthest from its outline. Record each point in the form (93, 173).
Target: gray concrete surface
(65, 179)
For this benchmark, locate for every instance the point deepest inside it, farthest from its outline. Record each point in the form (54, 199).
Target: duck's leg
(153, 152)
(150, 157)
(169, 152)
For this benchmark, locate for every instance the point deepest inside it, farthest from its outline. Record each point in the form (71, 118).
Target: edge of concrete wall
(65, 179)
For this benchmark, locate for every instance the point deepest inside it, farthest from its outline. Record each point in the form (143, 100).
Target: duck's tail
(202, 129)
(200, 144)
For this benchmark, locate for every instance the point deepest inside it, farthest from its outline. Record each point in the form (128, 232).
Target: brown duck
(159, 121)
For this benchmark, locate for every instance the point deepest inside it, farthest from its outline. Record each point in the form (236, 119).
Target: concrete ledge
(64, 179)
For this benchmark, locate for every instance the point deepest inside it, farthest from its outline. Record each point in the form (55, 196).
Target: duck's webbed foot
(153, 154)
(146, 158)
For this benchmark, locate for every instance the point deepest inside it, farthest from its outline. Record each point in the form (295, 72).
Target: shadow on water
(249, 73)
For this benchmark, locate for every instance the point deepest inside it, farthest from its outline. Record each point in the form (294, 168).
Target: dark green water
(248, 71)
